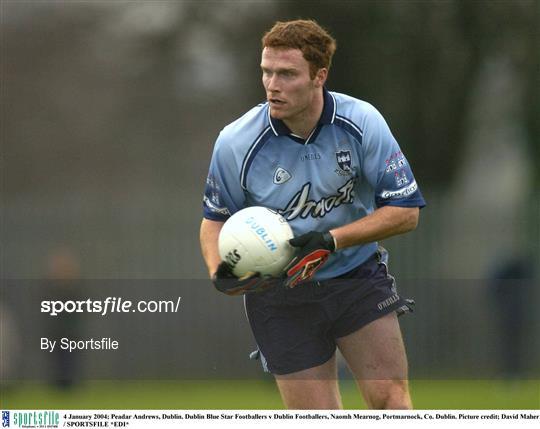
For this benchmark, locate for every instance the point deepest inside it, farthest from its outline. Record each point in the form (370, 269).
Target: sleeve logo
(400, 193)
(214, 208)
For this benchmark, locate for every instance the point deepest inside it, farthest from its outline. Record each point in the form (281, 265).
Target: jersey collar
(327, 117)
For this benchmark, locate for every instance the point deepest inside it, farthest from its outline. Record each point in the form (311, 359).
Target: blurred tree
(115, 76)
(418, 63)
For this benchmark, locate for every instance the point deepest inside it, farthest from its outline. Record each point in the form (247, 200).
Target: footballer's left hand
(225, 281)
(314, 248)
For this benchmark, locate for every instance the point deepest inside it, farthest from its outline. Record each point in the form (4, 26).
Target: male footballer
(328, 163)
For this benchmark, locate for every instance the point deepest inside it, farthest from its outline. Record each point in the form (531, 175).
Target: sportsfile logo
(27, 419)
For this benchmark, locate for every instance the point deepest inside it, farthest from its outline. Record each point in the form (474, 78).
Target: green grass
(250, 394)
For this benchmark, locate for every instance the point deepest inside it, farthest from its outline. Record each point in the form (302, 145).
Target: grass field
(249, 394)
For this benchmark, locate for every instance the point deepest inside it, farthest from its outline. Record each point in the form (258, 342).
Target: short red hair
(315, 42)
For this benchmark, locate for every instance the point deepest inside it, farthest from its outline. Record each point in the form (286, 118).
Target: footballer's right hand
(225, 281)
(313, 250)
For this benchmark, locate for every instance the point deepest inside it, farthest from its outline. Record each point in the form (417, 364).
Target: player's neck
(303, 124)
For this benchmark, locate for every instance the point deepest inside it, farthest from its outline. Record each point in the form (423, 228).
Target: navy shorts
(296, 329)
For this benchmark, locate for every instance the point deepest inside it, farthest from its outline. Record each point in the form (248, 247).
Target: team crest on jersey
(281, 176)
(343, 158)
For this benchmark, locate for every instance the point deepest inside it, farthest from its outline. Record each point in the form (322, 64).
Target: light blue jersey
(349, 166)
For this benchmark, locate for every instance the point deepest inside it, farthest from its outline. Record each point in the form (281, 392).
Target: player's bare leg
(313, 388)
(376, 356)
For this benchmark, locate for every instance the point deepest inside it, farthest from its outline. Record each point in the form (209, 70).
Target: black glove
(225, 281)
(314, 248)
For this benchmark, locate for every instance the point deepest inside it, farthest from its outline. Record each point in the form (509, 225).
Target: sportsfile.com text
(109, 305)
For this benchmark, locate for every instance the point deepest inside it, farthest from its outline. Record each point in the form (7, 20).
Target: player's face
(289, 88)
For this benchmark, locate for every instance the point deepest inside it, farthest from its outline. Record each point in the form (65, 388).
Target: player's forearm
(209, 235)
(382, 223)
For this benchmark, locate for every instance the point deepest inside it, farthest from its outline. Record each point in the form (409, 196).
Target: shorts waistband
(376, 256)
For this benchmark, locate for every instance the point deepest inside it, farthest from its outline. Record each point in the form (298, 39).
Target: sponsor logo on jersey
(215, 208)
(343, 158)
(400, 193)
(301, 206)
(281, 176)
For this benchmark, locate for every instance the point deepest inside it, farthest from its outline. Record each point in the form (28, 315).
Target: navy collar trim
(327, 117)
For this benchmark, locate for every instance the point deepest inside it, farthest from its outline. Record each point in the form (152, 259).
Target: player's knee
(390, 395)
(311, 394)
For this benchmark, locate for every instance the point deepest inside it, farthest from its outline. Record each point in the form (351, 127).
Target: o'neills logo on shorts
(388, 302)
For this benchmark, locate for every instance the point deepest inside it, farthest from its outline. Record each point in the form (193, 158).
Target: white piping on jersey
(332, 121)
(352, 125)
(292, 134)
(335, 108)
(270, 121)
(248, 156)
(310, 134)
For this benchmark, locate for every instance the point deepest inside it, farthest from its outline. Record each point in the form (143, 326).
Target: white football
(256, 239)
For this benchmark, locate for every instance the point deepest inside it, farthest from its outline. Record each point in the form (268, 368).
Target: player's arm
(315, 247)
(209, 234)
(396, 195)
(223, 196)
(383, 223)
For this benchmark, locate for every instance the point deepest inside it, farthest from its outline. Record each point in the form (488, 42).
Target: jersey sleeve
(223, 195)
(385, 167)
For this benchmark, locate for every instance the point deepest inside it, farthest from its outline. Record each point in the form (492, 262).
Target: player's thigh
(376, 351)
(313, 388)
(376, 355)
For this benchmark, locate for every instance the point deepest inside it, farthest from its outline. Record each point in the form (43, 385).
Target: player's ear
(320, 77)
